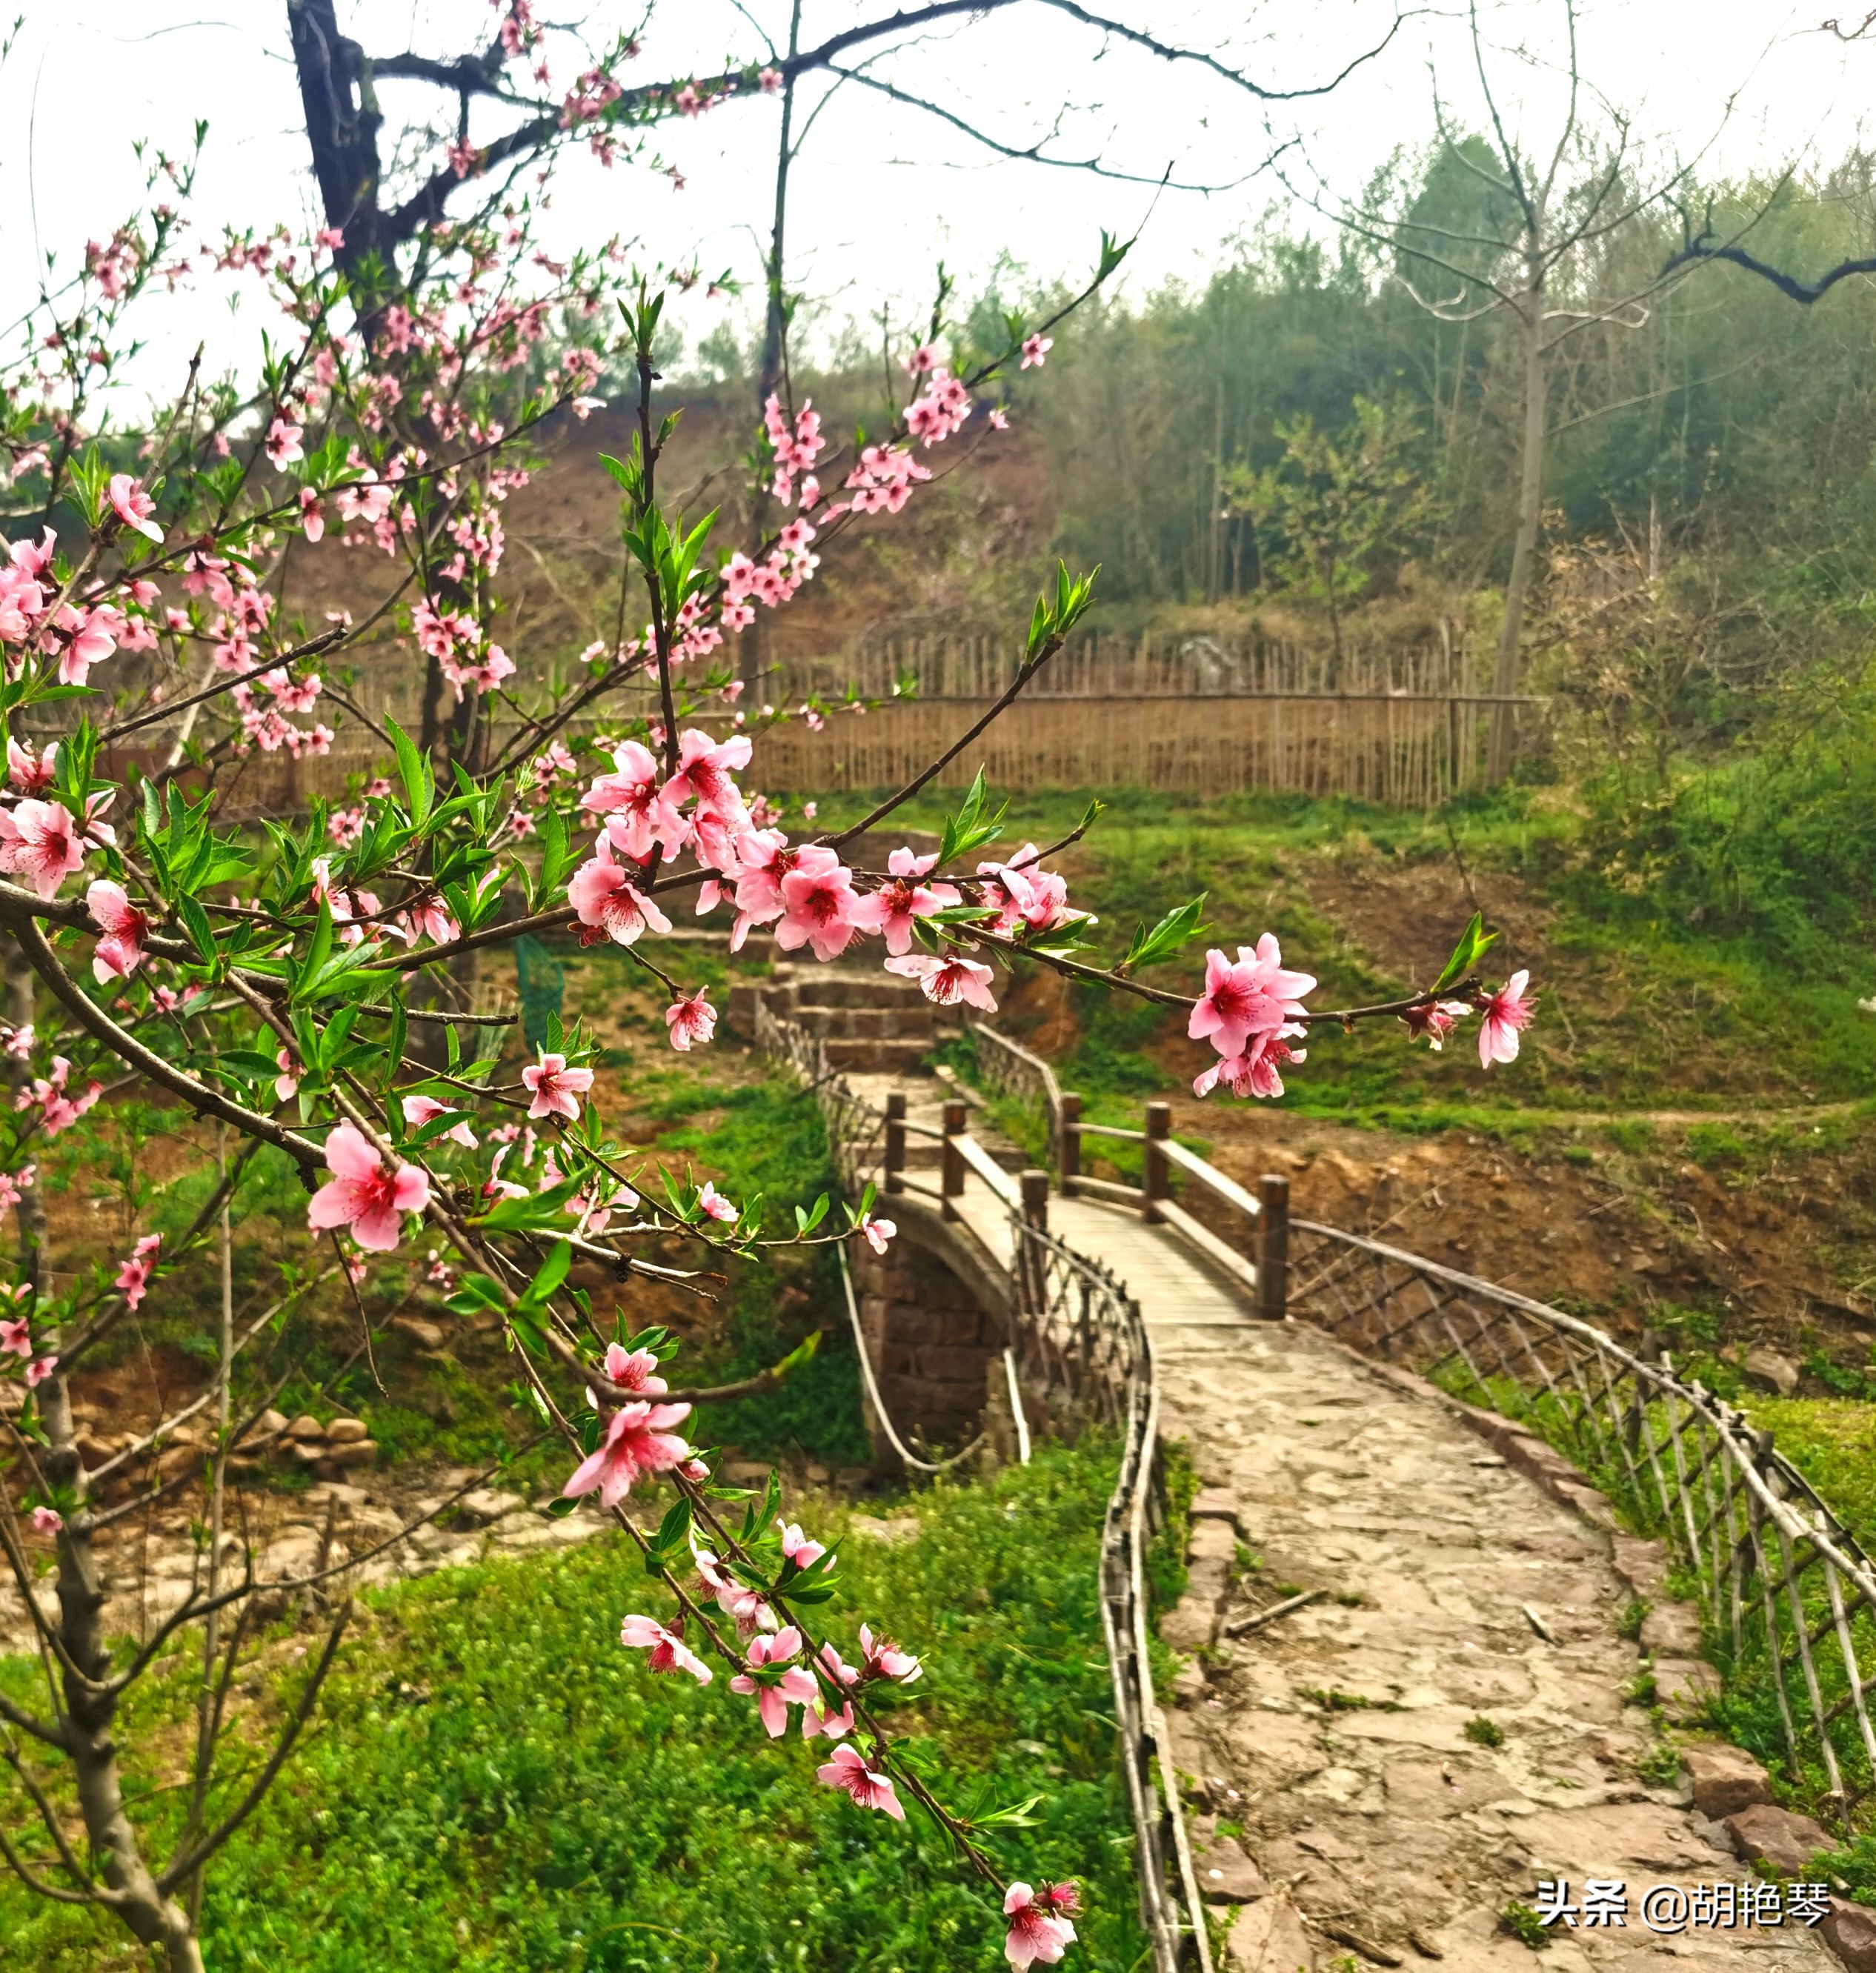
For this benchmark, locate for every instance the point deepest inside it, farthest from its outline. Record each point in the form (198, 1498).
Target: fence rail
(1080, 1338)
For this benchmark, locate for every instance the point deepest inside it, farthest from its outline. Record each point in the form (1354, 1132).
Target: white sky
(883, 191)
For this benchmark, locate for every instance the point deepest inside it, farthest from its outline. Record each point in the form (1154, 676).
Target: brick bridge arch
(935, 1318)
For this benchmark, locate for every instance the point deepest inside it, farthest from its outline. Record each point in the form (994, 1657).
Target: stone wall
(931, 1347)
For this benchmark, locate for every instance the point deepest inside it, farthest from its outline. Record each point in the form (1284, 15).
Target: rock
(1778, 1837)
(1771, 1372)
(1192, 1624)
(270, 1425)
(1225, 1875)
(344, 1432)
(1671, 1631)
(1850, 1931)
(306, 1428)
(426, 1334)
(1725, 1780)
(1642, 1564)
(1268, 1938)
(334, 1493)
(818, 1474)
(1211, 1541)
(899, 1528)
(353, 1452)
(179, 1459)
(1216, 1503)
(487, 1505)
(1684, 1685)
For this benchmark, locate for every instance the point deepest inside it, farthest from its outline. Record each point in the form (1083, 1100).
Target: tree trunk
(342, 121)
(1507, 675)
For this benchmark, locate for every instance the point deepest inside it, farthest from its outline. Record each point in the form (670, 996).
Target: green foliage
(1522, 1923)
(1484, 1732)
(497, 1786)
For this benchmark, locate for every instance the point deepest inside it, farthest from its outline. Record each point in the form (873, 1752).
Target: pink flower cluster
(795, 447)
(1246, 1012)
(58, 1111)
(78, 637)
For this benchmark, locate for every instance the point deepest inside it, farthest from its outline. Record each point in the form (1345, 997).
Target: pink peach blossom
(776, 1689)
(37, 1371)
(1036, 1932)
(1255, 1072)
(690, 1020)
(639, 816)
(948, 980)
(1035, 349)
(47, 1520)
(669, 1651)
(419, 1111)
(1434, 1020)
(40, 841)
(818, 901)
(634, 1370)
(848, 1771)
(1504, 1013)
(713, 1204)
(1255, 993)
(363, 1194)
(605, 902)
(556, 1089)
(636, 1439)
(892, 909)
(881, 1657)
(16, 1336)
(134, 1277)
(120, 951)
(133, 506)
(878, 1232)
(796, 1546)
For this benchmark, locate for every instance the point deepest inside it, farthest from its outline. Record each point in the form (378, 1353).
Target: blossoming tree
(291, 988)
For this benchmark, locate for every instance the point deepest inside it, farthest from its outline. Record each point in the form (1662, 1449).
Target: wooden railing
(1012, 1069)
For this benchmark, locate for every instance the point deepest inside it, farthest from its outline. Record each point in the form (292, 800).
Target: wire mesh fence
(1787, 1593)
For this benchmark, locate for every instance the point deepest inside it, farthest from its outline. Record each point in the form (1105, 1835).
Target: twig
(1240, 1627)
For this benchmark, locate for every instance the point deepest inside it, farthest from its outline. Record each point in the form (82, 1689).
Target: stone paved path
(1335, 1738)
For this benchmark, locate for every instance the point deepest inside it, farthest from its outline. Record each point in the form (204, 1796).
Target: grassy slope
(497, 1786)
(1651, 1014)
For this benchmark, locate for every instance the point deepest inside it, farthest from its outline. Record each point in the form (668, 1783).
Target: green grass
(495, 1786)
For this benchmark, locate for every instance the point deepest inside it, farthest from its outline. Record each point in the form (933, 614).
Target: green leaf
(552, 1272)
(559, 1509)
(1178, 928)
(1465, 955)
(535, 1213)
(420, 787)
(675, 1525)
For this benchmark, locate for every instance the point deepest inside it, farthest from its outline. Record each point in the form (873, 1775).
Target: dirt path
(1334, 1739)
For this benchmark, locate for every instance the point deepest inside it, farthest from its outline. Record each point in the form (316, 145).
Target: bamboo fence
(1401, 724)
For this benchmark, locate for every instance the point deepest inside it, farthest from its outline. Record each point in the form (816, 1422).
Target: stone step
(875, 1052)
(821, 986)
(915, 1022)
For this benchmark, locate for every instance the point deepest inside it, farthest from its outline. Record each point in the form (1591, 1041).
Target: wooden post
(895, 1141)
(1068, 1150)
(1273, 1247)
(1032, 1259)
(1035, 1186)
(952, 1181)
(1157, 1179)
